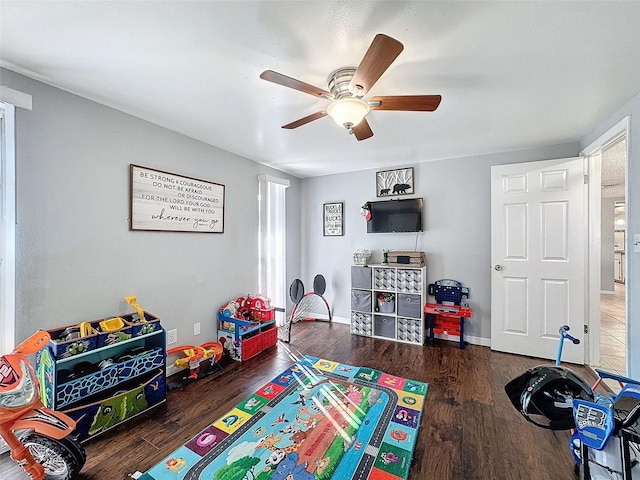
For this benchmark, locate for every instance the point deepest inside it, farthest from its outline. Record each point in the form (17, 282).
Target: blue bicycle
(605, 429)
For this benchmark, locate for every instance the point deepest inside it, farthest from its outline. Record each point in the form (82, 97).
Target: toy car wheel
(61, 459)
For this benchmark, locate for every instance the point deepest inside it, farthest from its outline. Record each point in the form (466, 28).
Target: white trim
(8, 241)
(16, 98)
(593, 254)
(343, 320)
(484, 342)
(610, 136)
(271, 179)
(593, 151)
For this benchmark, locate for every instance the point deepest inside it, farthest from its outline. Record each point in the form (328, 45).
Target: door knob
(498, 268)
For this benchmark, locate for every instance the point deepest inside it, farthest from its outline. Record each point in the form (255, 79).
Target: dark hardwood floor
(469, 429)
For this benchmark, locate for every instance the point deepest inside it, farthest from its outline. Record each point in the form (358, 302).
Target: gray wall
(77, 259)
(457, 224)
(632, 109)
(606, 245)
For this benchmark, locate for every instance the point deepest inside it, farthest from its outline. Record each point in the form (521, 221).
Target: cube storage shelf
(401, 317)
(245, 339)
(131, 381)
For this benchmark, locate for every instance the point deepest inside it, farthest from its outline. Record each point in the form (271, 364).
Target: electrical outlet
(172, 336)
(196, 328)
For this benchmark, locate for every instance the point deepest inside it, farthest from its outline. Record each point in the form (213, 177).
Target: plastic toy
(194, 357)
(111, 324)
(254, 309)
(606, 431)
(131, 300)
(39, 438)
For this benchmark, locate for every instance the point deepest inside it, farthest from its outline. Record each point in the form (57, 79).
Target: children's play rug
(316, 420)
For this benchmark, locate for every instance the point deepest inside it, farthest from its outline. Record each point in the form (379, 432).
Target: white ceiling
(512, 75)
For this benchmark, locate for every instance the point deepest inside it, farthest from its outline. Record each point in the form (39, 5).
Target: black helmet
(544, 395)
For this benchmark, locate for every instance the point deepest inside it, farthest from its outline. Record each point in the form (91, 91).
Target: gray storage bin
(386, 307)
(361, 323)
(410, 330)
(409, 305)
(360, 277)
(361, 300)
(384, 278)
(384, 326)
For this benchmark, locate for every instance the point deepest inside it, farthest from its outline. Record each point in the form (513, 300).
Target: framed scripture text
(163, 201)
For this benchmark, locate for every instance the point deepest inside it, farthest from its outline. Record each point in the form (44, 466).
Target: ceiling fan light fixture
(348, 112)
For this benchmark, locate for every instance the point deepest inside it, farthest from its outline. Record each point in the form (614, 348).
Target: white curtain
(7, 239)
(272, 266)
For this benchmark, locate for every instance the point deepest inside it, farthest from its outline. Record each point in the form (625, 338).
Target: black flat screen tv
(395, 216)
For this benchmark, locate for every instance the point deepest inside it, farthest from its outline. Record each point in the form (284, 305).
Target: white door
(538, 255)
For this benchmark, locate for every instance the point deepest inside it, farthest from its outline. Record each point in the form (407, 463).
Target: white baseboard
(607, 292)
(345, 320)
(172, 370)
(484, 342)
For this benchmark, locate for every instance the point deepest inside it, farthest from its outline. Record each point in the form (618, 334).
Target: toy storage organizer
(386, 302)
(103, 383)
(245, 339)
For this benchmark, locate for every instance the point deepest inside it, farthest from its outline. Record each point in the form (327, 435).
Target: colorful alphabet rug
(316, 420)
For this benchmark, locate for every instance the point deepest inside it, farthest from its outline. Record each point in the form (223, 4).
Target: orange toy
(39, 438)
(195, 355)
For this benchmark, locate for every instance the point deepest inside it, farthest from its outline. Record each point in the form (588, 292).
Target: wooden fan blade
(382, 52)
(280, 79)
(305, 120)
(413, 103)
(362, 131)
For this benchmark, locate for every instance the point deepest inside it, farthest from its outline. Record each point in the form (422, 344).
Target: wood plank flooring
(469, 429)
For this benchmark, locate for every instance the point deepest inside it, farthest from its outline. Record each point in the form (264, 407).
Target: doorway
(613, 318)
(607, 323)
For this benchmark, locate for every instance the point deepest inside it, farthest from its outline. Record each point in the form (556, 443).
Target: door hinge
(586, 329)
(586, 179)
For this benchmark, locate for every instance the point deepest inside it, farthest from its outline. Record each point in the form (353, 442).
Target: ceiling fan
(348, 86)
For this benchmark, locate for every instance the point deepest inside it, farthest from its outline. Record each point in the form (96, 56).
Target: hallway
(613, 332)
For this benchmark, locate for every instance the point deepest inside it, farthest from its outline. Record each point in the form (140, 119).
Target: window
(272, 265)
(7, 240)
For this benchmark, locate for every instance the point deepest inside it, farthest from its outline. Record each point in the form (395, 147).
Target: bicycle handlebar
(564, 333)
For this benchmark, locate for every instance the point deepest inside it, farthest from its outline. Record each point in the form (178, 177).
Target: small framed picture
(394, 182)
(333, 219)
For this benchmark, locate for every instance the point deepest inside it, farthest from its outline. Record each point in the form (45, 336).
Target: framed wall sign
(162, 201)
(333, 216)
(394, 182)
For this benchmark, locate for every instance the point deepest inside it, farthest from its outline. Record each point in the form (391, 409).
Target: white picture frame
(163, 201)
(395, 182)
(333, 219)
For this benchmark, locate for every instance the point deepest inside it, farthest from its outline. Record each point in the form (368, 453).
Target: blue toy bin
(67, 348)
(141, 364)
(149, 391)
(77, 389)
(139, 328)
